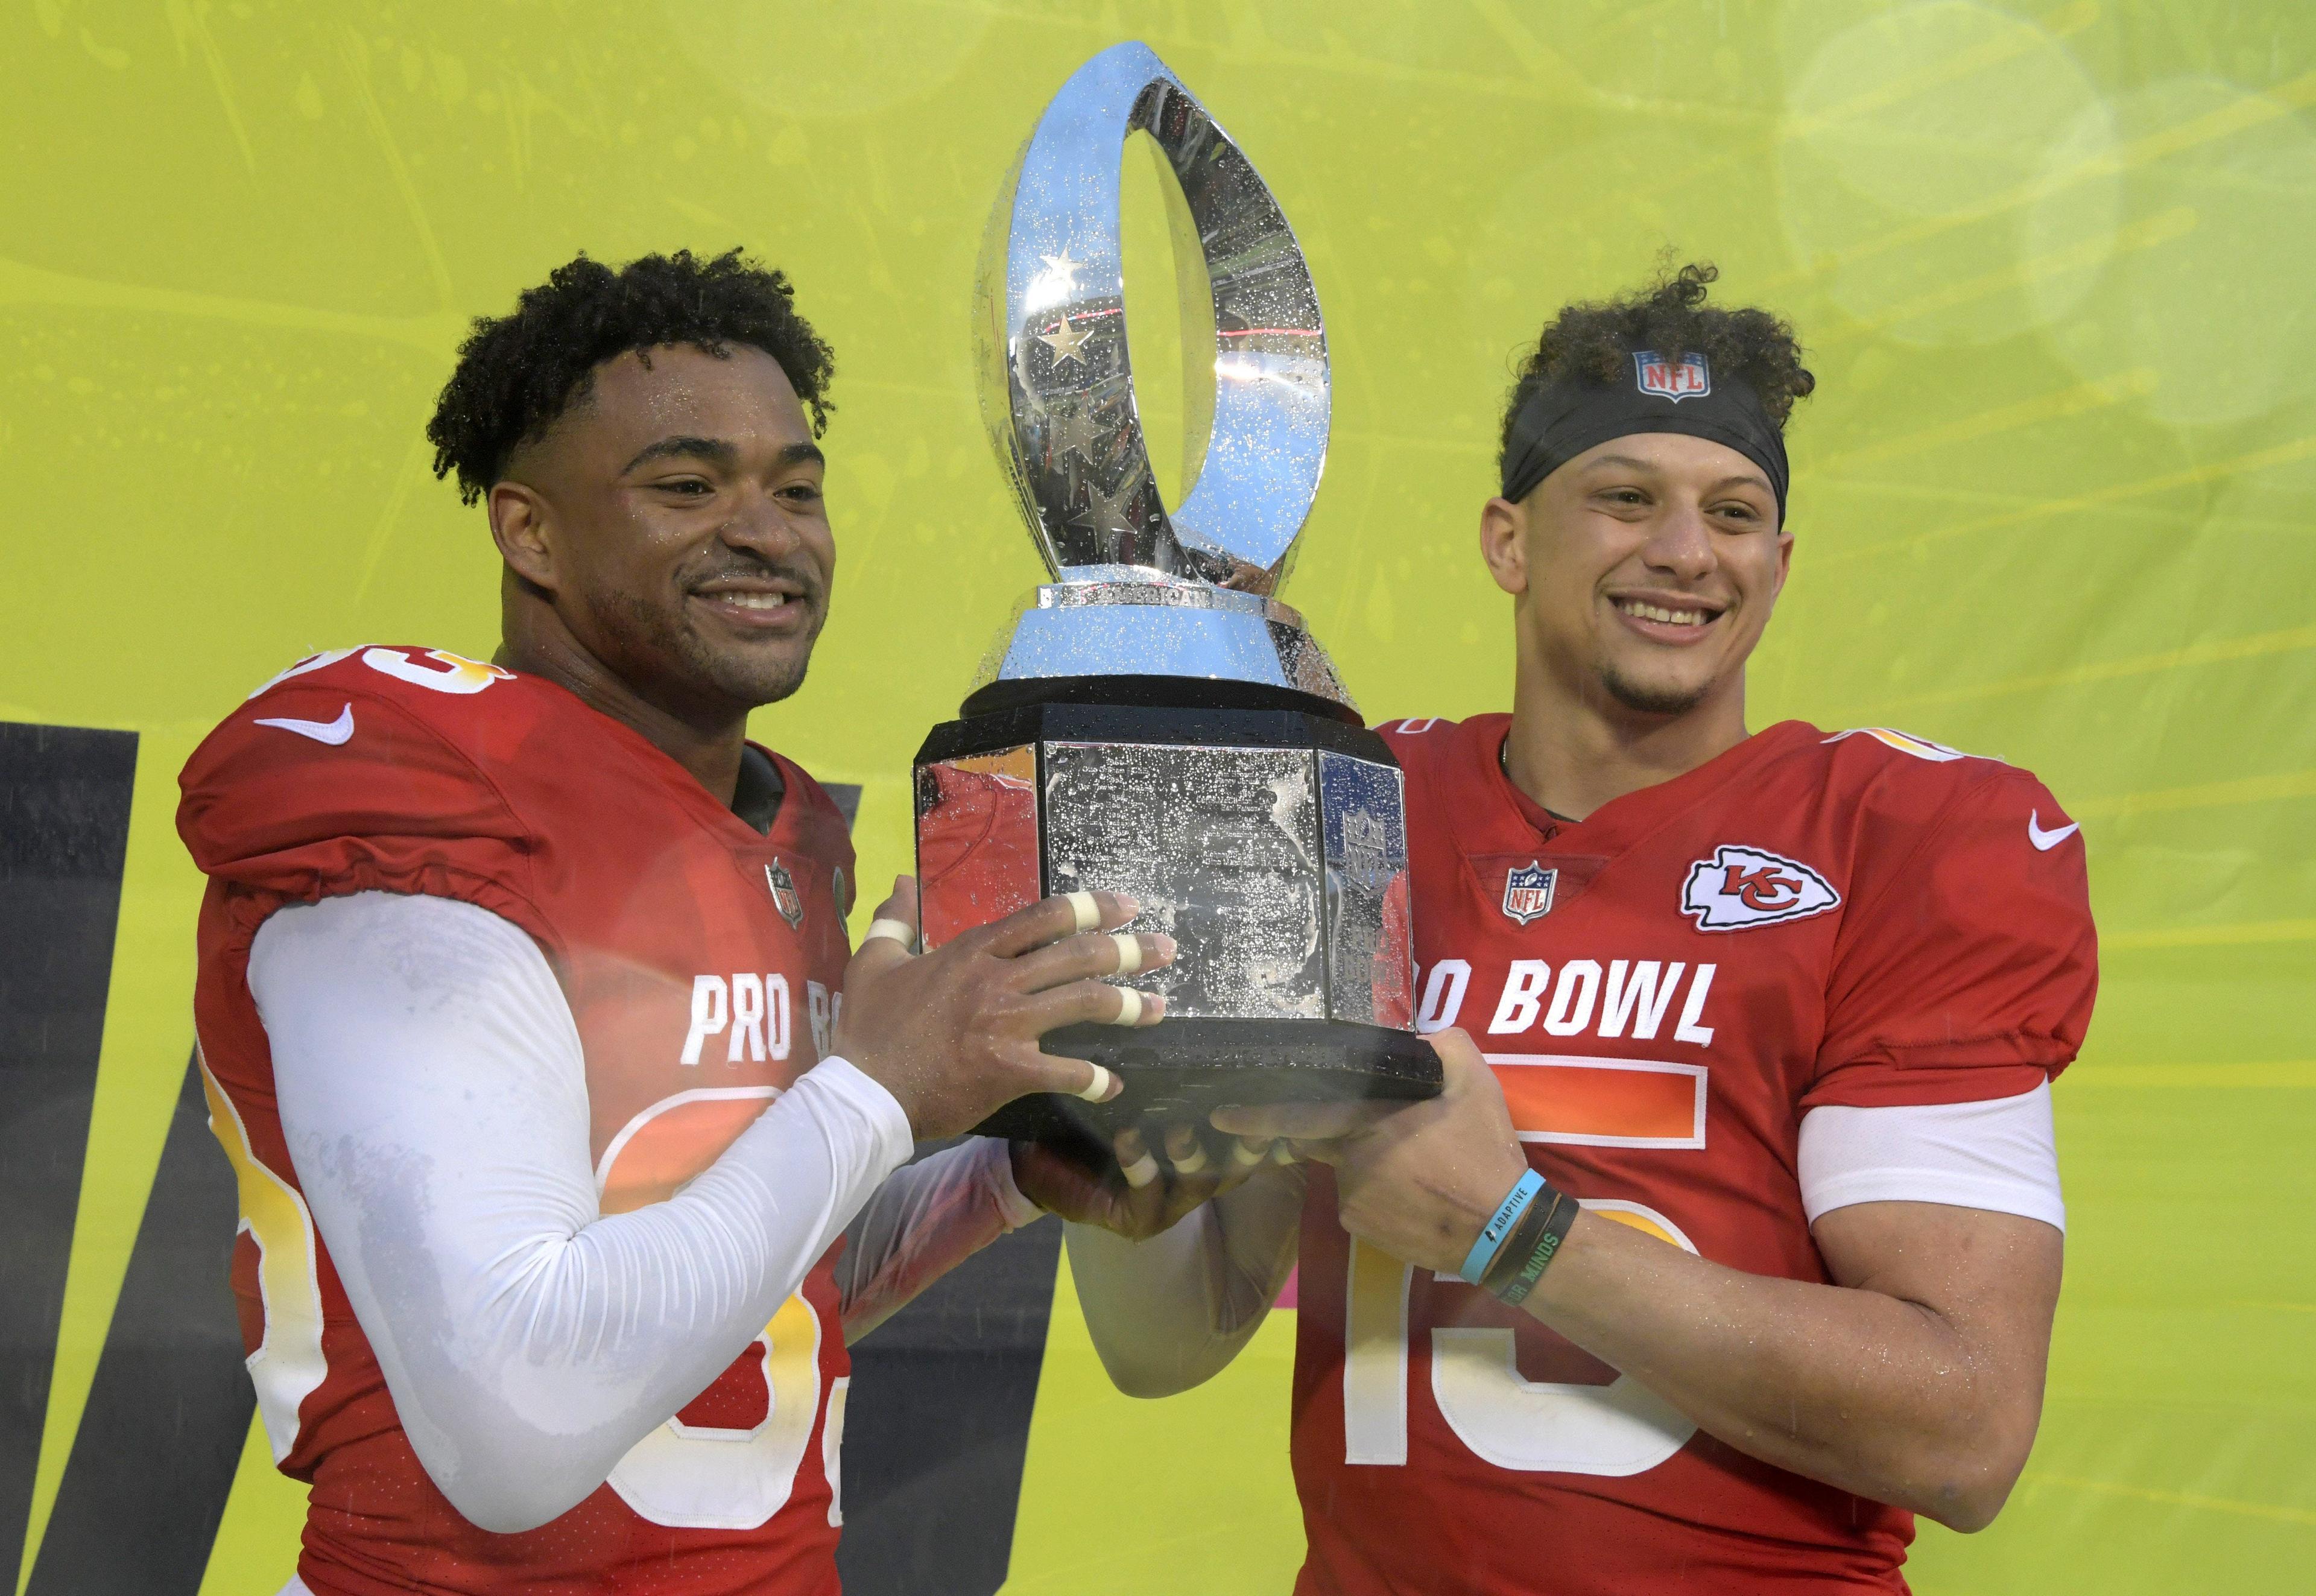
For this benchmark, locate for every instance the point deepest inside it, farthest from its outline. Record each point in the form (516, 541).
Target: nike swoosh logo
(336, 733)
(2044, 840)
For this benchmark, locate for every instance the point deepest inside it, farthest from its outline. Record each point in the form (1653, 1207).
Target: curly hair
(517, 374)
(1593, 340)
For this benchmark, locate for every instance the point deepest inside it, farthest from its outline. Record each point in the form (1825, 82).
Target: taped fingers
(1133, 1160)
(1092, 953)
(1185, 1151)
(891, 931)
(1099, 1089)
(1050, 920)
(1247, 1151)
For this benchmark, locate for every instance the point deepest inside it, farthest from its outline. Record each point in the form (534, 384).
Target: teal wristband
(1499, 1225)
(1519, 1274)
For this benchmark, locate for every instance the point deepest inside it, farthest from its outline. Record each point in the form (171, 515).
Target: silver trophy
(1154, 720)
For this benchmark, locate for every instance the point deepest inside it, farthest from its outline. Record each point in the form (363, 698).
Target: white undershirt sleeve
(924, 1222)
(2001, 1155)
(433, 1094)
(1169, 1313)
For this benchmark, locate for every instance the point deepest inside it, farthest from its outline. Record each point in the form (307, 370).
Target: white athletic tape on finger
(1282, 1151)
(1191, 1162)
(1129, 951)
(1141, 1171)
(1087, 911)
(893, 931)
(1098, 1090)
(1247, 1156)
(1129, 1007)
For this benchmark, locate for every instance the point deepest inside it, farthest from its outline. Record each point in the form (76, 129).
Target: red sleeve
(273, 814)
(1965, 971)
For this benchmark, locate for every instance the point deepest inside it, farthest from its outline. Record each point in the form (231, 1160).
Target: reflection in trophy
(1153, 721)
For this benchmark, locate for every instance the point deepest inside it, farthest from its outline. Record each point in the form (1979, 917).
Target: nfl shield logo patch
(1688, 378)
(1528, 892)
(785, 898)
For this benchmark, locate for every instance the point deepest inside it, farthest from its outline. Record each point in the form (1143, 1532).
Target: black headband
(1563, 419)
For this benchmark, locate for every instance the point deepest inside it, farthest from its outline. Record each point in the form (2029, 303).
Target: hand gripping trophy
(1153, 721)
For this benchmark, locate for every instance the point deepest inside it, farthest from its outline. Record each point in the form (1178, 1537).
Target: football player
(525, 1010)
(1733, 1241)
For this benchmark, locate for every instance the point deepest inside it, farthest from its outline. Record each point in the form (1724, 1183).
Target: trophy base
(1182, 1070)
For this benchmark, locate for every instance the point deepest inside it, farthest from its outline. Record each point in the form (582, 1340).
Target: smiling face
(1645, 569)
(674, 520)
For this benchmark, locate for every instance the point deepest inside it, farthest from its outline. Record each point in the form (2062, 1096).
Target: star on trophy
(1154, 720)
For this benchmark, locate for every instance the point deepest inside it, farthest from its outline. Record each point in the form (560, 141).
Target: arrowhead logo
(336, 733)
(1740, 888)
(2044, 840)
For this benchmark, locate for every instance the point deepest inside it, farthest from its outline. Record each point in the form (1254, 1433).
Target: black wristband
(1521, 1242)
(1523, 1276)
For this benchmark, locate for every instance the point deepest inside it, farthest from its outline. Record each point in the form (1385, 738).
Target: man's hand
(1417, 1180)
(953, 1034)
(1139, 1196)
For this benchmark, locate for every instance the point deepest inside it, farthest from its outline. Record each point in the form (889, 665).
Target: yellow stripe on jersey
(288, 1367)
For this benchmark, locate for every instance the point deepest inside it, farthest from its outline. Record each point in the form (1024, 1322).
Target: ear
(1503, 543)
(1784, 561)
(519, 526)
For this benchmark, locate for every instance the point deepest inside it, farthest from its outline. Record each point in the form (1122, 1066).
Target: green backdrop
(2051, 263)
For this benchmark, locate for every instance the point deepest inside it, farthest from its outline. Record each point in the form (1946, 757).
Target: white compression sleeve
(1999, 1154)
(433, 1094)
(924, 1221)
(1169, 1313)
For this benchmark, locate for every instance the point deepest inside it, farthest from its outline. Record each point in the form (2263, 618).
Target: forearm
(1879, 1395)
(434, 1096)
(922, 1222)
(1170, 1313)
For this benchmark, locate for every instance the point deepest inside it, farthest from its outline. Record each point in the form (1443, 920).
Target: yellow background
(2052, 263)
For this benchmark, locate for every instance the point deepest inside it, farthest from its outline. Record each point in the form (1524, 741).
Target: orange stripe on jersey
(1603, 1103)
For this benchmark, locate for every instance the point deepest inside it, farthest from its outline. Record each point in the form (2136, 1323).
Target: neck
(1574, 749)
(537, 642)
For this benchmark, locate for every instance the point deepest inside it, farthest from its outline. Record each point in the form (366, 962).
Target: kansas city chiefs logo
(1740, 886)
(1688, 377)
(1528, 892)
(785, 898)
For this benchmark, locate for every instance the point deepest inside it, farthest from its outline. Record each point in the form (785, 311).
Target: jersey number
(695, 1477)
(707, 1476)
(1504, 1418)
(683, 1476)
(449, 673)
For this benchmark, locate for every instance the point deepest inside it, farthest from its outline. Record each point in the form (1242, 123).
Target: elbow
(1968, 1508)
(1970, 1494)
(506, 1502)
(494, 1511)
(511, 1484)
(1147, 1378)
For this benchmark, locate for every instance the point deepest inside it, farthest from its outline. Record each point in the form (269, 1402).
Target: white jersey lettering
(1523, 992)
(1688, 1029)
(710, 1012)
(1443, 996)
(1637, 999)
(1572, 999)
(1633, 998)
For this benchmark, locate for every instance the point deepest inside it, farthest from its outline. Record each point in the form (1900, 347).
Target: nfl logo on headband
(1688, 379)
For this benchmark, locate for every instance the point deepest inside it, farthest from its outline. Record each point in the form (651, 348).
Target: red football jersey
(701, 961)
(1664, 990)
